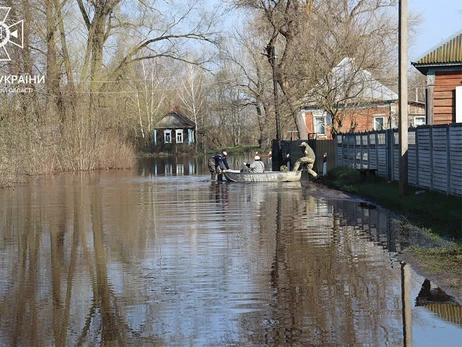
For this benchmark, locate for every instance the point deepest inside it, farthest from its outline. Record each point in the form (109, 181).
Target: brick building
(373, 107)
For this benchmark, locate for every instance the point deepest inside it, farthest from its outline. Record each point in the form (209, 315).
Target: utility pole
(403, 97)
(276, 145)
(271, 53)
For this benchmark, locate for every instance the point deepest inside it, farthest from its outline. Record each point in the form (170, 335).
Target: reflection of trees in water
(328, 282)
(53, 248)
(104, 316)
(25, 315)
(323, 273)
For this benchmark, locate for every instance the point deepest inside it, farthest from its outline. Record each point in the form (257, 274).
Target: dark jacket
(220, 161)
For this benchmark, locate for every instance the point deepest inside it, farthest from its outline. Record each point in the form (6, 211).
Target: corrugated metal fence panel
(424, 157)
(434, 155)
(382, 167)
(412, 158)
(455, 159)
(440, 158)
(325, 147)
(396, 155)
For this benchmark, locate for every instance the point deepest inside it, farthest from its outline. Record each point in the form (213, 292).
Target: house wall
(357, 120)
(159, 140)
(362, 119)
(444, 96)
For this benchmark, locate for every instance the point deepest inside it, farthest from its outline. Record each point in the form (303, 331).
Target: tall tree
(244, 55)
(308, 39)
(192, 96)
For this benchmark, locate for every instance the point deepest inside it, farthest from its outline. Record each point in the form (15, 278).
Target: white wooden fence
(434, 155)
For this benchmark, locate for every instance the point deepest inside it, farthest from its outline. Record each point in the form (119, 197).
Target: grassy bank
(437, 214)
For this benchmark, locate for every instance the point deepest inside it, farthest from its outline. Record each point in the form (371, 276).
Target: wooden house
(174, 130)
(373, 107)
(442, 66)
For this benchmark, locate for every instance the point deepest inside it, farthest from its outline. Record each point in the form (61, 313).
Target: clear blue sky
(440, 20)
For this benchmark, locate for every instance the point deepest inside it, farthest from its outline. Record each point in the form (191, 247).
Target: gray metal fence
(434, 155)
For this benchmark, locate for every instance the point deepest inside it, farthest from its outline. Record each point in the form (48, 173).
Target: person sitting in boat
(257, 166)
(245, 167)
(217, 164)
(308, 158)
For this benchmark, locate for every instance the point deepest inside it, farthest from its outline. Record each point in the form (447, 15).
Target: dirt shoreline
(447, 280)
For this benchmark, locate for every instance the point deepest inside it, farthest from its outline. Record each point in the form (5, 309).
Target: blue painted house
(174, 130)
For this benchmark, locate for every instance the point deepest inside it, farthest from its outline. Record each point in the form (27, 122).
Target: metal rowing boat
(269, 176)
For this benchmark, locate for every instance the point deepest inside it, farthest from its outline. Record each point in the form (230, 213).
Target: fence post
(355, 150)
(417, 154)
(376, 135)
(388, 157)
(431, 157)
(448, 165)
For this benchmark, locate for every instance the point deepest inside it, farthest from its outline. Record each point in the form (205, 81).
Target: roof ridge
(447, 51)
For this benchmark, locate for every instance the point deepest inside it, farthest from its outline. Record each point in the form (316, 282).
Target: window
(379, 122)
(419, 120)
(319, 125)
(459, 104)
(179, 135)
(167, 136)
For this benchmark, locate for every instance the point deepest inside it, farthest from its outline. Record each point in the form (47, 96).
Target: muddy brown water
(160, 256)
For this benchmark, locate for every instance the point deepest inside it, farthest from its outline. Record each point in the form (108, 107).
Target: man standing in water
(308, 158)
(217, 164)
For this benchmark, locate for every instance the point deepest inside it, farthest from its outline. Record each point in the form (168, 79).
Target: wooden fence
(434, 155)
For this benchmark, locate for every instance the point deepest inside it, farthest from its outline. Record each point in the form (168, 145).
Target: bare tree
(244, 53)
(307, 40)
(284, 21)
(364, 32)
(192, 96)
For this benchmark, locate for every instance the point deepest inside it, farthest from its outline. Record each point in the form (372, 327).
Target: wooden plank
(443, 110)
(443, 95)
(443, 102)
(448, 74)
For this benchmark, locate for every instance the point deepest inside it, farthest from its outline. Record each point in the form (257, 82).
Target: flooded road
(160, 256)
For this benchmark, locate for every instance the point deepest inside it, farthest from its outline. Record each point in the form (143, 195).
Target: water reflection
(139, 257)
(186, 165)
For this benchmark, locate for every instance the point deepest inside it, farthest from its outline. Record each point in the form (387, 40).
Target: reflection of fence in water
(448, 312)
(383, 227)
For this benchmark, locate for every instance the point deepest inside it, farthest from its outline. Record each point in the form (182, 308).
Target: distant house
(174, 129)
(370, 105)
(443, 67)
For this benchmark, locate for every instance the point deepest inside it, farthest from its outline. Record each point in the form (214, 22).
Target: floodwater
(161, 256)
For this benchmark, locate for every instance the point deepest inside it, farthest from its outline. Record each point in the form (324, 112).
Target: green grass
(447, 261)
(440, 213)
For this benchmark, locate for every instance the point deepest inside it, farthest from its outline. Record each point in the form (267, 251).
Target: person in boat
(217, 164)
(308, 159)
(286, 160)
(257, 166)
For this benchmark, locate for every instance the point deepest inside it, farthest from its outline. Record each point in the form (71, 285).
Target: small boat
(268, 176)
